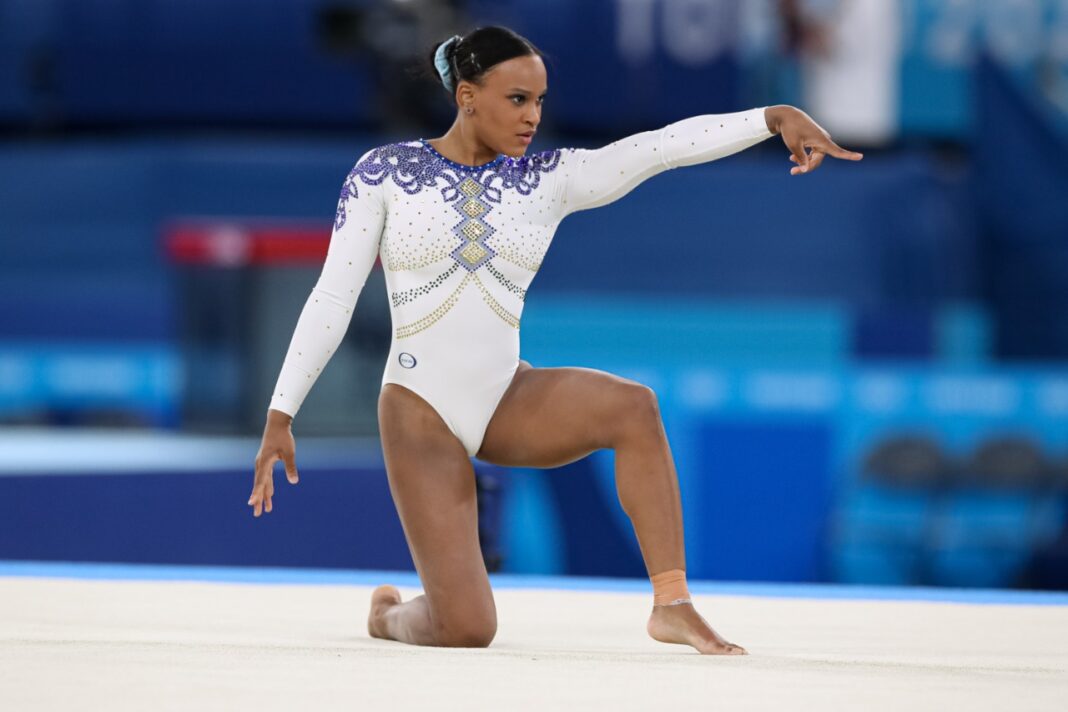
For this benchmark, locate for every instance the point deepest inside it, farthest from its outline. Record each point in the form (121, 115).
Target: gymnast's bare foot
(682, 623)
(382, 599)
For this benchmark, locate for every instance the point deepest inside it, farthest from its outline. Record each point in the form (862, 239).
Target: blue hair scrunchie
(442, 64)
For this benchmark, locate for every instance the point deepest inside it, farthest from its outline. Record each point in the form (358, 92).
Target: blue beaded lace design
(473, 191)
(413, 166)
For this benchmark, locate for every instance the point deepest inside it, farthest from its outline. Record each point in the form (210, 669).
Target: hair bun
(442, 62)
(469, 56)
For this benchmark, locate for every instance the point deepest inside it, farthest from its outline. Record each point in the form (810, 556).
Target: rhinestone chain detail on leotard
(500, 311)
(416, 326)
(408, 295)
(507, 283)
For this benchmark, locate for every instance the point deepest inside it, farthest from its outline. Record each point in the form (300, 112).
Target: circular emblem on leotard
(406, 359)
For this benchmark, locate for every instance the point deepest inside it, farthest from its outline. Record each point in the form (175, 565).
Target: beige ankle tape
(669, 588)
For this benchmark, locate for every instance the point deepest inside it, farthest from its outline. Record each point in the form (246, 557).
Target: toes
(726, 649)
(386, 592)
(382, 598)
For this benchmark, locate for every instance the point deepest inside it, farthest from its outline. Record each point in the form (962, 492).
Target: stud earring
(468, 109)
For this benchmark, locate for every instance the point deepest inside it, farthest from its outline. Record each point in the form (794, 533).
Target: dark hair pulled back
(475, 53)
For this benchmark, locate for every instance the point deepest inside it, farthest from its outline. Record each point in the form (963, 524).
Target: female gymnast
(461, 224)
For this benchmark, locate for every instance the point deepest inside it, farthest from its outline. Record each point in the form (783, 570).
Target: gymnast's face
(507, 105)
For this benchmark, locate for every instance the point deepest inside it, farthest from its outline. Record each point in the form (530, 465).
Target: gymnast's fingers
(837, 151)
(262, 476)
(291, 466)
(814, 161)
(797, 148)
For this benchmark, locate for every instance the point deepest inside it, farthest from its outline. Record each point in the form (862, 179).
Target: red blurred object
(236, 244)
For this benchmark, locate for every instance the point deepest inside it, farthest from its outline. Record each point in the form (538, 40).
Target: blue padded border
(295, 576)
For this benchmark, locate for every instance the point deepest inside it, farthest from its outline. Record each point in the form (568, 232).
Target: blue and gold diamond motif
(473, 230)
(473, 253)
(474, 208)
(470, 187)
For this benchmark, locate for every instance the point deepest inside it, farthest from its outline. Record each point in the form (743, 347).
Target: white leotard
(460, 245)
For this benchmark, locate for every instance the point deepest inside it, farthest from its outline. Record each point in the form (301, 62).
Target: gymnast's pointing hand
(808, 141)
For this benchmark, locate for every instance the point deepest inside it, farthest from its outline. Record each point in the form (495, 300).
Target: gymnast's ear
(465, 96)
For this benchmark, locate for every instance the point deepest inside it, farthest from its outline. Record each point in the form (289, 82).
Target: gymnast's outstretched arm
(599, 176)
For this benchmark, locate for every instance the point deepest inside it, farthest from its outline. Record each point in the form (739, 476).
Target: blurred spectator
(395, 37)
(849, 55)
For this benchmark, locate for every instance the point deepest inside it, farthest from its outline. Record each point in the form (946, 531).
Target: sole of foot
(382, 599)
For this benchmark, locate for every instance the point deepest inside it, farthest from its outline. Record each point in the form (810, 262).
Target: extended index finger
(833, 149)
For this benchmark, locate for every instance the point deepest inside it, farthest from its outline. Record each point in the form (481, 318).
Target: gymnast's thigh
(549, 417)
(433, 486)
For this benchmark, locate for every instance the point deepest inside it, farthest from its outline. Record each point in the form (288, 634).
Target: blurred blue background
(863, 372)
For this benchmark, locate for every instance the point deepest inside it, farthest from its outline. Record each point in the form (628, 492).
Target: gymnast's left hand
(808, 141)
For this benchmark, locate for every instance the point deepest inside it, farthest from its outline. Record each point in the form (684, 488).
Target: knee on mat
(468, 634)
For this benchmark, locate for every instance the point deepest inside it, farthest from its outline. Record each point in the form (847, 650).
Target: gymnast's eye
(523, 98)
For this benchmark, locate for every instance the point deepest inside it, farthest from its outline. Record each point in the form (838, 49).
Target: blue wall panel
(764, 497)
(332, 518)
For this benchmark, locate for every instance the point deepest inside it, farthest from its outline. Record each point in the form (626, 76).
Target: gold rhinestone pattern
(470, 187)
(514, 257)
(500, 311)
(473, 253)
(474, 208)
(402, 261)
(473, 230)
(416, 326)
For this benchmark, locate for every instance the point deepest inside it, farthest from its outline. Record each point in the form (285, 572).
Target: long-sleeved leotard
(460, 245)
